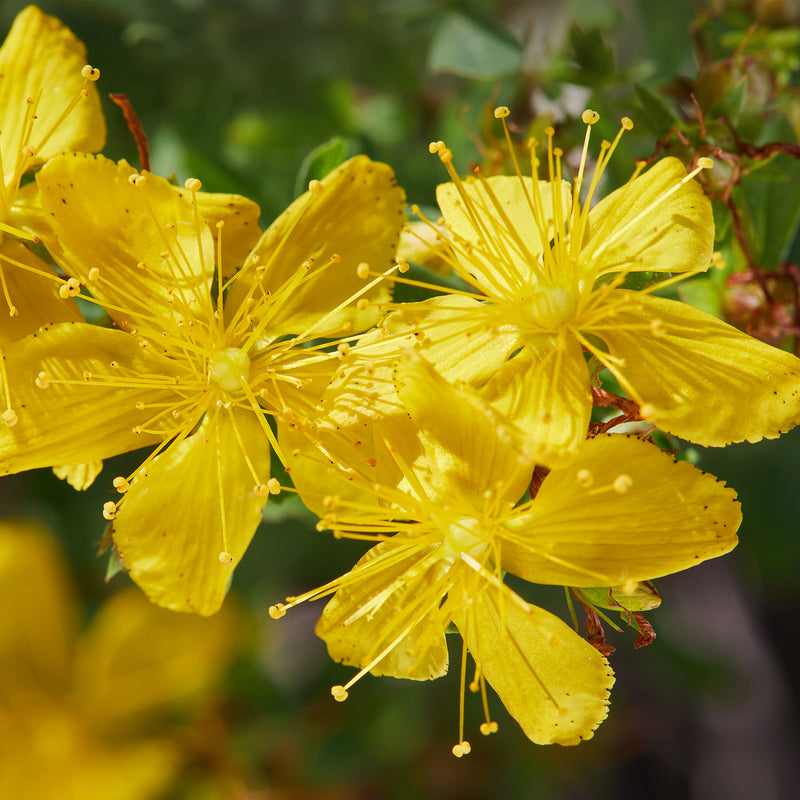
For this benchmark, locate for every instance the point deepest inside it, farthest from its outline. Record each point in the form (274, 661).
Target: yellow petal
(79, 420)
(474, 449)
(389, 601)
(37, 633)
(184, 526)
(34, 296)
(621, 511)
(552, 682)
(41, 59)
(313, 250)
(116, 678)
(79, 476)
(698, 377)
(101, 221)
(545, 390)
(640, 227)
(494, 219)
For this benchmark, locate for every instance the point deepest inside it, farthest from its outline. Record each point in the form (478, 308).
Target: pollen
(585, 478)
(622, 483)
(463, 748)
(225, 558)
(339, 693)
(277, 611)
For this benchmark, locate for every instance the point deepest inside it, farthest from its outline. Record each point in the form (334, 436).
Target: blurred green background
(238, 93)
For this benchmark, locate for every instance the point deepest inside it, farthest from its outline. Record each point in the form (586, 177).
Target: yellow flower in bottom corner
(198, 355)
(82, 714)
(443, 508)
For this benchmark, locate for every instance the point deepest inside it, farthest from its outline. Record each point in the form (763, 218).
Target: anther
(585, 478)
(120, 484)
(362, 270)
(658, 328)
(501, 112)
(9, 416)
(339, 693)
(274, 486)
(589, 117)
(277, 611)
(136, 180)
(461, 749)
(28, 151)
(362, 304)
(435, 147)
(316, 188)
(42, 380)
(13, 311)
(622, 483)
(225, 558)
(260, 490)
(705, 163)
(94, 274)
(89, 72)
(109, 510)
(192, 185)
(487, 728)
(343, 348)
(627, 123)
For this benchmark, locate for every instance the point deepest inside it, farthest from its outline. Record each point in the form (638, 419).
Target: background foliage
(239, 93)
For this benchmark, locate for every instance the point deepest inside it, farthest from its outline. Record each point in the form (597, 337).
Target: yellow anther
(402, 266)
(225, 558)
(109, 510)
(274, 486)
(13, 311)
(120, 484)
(29, 151)
(717, 260)
(474, 686)
(489, 727)
(658, 328)
(329, 501)
(589, 117)
(260, 490)
(42, 380)
(705, 163)
(501, 112)
(316, 188)
(550, 130)
(335, 258)
(435, 147)
(622, 483)
(343, 348)
(339, 693)
(192, 184)
(585, 478)
(9, 416)
(362, 270)
(647, 410)
(362, 304)
(89, 72)
(445, 155)
(87, 376)
(627, 123)
(277, 611)
(461, 749)
(94, 274)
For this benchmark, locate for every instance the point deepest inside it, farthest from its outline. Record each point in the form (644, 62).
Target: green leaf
(655, 113)
(115, 565)
(462, 46)
(324, 158)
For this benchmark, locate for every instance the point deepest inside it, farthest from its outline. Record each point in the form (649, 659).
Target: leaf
(471, 49)
(655, 112)
(324, 158)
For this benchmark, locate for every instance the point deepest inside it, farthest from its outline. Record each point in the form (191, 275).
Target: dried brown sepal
(136, 128)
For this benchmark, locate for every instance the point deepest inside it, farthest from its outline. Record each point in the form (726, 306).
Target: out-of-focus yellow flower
(439, 490)
(194, 363)
(48, 103)
(82, 713)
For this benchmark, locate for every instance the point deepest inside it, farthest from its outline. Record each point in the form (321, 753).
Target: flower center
(464, 536)
(230, 369)
(552, 307)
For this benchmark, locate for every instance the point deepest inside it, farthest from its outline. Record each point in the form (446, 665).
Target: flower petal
(497, 239)
(622, 511)
(389, 596)
(640, 226)
(698, 377)
(552, 682)
(312, 251)
(71, 418)
(42, 59)
(196, 503)
(545, 390)
(33, 294)
(155, 264)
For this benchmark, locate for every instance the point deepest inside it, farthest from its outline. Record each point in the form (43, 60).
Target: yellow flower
(182, 370)
(442, 506)
(48, 103)
(549, 272)
(80, 711)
